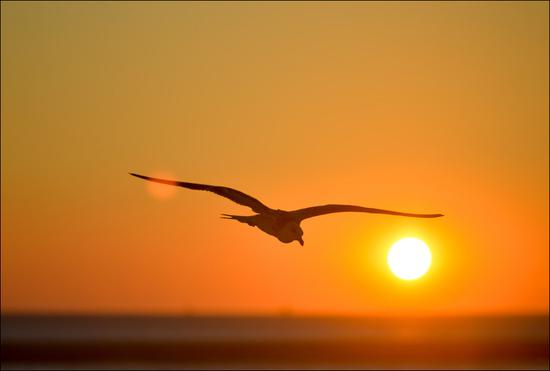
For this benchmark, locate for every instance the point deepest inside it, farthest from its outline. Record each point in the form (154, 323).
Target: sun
(409, 258)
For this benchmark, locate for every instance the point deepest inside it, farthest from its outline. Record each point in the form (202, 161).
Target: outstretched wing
(230, 193)
(310, 212)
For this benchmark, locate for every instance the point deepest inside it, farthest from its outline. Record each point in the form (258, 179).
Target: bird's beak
(301, 241)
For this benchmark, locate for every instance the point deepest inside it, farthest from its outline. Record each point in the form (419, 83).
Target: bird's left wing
(310, 212)
(230, 193)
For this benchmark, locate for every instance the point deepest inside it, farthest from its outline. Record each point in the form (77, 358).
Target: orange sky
(420, 107)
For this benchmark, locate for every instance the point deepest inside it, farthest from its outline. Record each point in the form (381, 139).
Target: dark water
(118, 342)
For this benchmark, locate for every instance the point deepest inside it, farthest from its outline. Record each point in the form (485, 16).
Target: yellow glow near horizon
(409, 258)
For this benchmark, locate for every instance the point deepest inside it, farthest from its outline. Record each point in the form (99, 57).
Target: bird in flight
(284, 225)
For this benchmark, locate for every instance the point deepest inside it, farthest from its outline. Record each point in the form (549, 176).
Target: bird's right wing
(230, 193)
(310, 212)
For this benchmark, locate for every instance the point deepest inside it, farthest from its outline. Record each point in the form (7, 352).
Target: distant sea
(285, 342)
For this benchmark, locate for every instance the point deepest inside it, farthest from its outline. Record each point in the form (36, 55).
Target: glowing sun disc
(409, 258)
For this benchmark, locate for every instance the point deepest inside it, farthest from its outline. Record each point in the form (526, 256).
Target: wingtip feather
(138, 176)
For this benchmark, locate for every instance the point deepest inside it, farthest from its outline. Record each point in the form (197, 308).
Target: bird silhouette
(284, 225)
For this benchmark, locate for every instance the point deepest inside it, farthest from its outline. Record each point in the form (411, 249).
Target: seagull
(282, 224)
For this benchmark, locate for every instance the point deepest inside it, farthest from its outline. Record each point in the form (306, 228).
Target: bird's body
(276, 223)
(284, 225)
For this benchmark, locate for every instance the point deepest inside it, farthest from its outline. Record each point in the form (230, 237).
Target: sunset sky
(429, 107)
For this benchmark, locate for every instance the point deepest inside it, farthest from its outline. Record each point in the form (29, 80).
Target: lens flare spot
(161, 191)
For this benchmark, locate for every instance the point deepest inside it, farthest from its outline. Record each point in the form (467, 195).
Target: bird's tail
(240, 218)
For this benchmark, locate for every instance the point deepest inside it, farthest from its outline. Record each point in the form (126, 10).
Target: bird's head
(297, 234)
